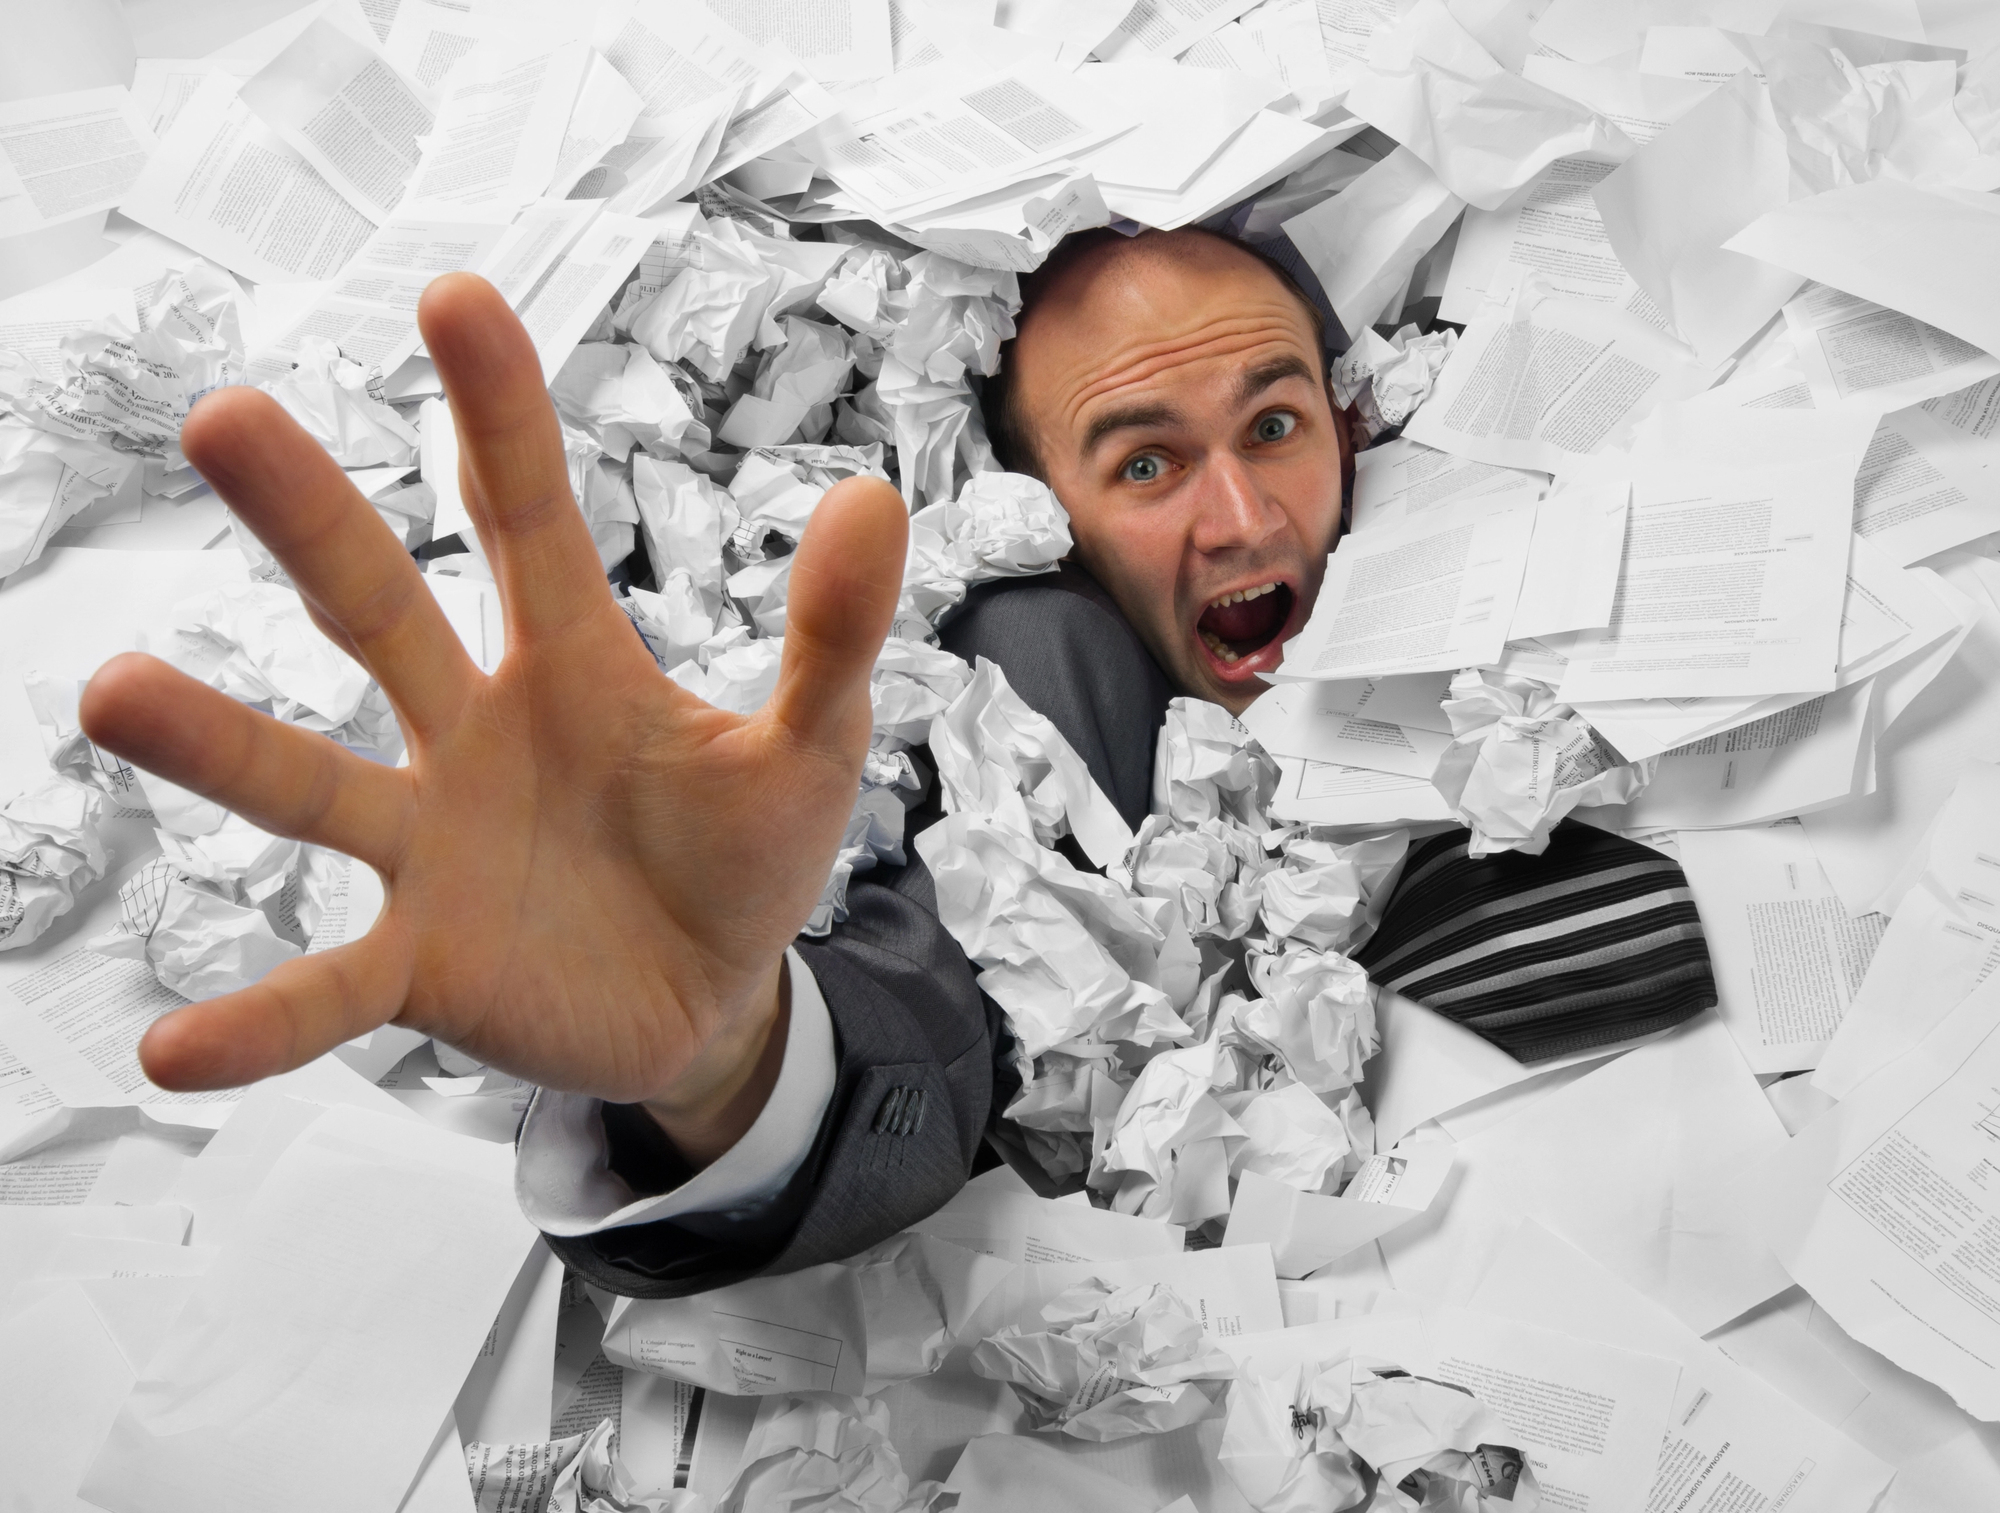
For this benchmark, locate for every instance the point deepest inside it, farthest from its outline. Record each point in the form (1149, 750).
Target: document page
(1318, 721)
(964, 138)
(1801, 758)
(1731, 585)
(344, 108)
(370, 311)
(1732, 1441)
(1538, 381)
(1926, 485)
(1589, 1416)
(847, 39)
(68, 155)
(1886, 1207)
(501, 115)
(1943, 941)
(1572, 577)
(1029, 1230)
(1327, 793)
(1418, 598)
(1788, 957)
(1401, 479)
(225, 184)
(1556, 232)
(566, 299)
(1852, 348)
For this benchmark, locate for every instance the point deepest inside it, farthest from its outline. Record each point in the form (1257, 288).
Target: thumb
(845, 581)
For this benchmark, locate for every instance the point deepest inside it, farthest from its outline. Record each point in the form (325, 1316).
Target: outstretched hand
(591, 875)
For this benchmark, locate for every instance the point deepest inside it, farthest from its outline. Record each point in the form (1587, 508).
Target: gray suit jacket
(923, 1056)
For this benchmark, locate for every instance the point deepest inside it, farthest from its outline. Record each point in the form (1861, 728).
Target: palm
(591, 874)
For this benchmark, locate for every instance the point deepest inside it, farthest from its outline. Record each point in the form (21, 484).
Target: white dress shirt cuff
(562, 1174)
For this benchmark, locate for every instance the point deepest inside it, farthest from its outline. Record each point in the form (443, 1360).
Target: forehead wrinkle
(1156, 358)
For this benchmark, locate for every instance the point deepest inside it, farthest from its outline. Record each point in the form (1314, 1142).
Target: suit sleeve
(921, 1053)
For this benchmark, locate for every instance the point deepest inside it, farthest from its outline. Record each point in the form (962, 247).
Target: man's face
(1176, 407)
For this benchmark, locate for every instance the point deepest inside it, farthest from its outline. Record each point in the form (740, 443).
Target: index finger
(511, 464)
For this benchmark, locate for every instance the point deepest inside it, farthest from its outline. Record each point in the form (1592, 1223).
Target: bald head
(1094, 275)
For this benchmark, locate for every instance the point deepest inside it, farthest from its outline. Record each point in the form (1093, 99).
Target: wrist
(717, 1097)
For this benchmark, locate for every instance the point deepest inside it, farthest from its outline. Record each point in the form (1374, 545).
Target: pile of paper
(1674, 326)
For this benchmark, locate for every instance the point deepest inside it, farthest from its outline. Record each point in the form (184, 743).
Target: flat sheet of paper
(501, 116)
(964, 138)
(1877, 1207)
(1730, 1434)
(1864, 844)
(1893, 622)
(225, 184)
(1401, 479)
(347, 110)
(53, 1415)
(1364, 243)
(370, 311)
(1929, 253)
(1539, 381)
(1590, 1415)
(1267, 149)
(508, 1396)
(1806, 757)
(847, 39)
(1671, 238)
(372, 1238)
(1556, 230)
(74, 1017)
(1927, 485)
(1028, 1230)
(1876, 355)
(1308, 1231)
(67, 156)
(1788, 957)
(1326, 722)
(577, 284)
(1326, 793)
(1623, 1164)
(1421, 598)
(1572, 578)
(1731, 585)
(1943, 941)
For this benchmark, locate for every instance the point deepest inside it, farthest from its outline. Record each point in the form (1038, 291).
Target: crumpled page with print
(1360, 1434)
(1521, 759)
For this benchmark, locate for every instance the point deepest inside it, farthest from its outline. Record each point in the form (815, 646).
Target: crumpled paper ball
(1113, 1362)
(1362, 1434)
(51, 848)
(1520, 760)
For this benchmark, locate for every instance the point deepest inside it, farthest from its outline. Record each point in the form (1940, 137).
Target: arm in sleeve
(914, 1040)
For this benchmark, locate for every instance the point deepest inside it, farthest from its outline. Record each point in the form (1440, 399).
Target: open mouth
(1240, 627)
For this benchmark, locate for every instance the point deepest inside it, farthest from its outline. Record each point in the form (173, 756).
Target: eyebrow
(1131, 418)
(1265, 374)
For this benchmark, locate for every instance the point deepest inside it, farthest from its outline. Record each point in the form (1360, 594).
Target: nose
(1233, 513)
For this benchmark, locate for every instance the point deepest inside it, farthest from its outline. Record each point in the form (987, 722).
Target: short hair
(1000, 403)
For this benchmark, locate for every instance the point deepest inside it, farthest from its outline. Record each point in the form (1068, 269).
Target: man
(594, 880)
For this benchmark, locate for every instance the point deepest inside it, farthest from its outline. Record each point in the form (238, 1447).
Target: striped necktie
(1595, 940)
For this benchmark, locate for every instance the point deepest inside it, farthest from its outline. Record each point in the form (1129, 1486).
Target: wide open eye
(1276, 426)
(1144, 468)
